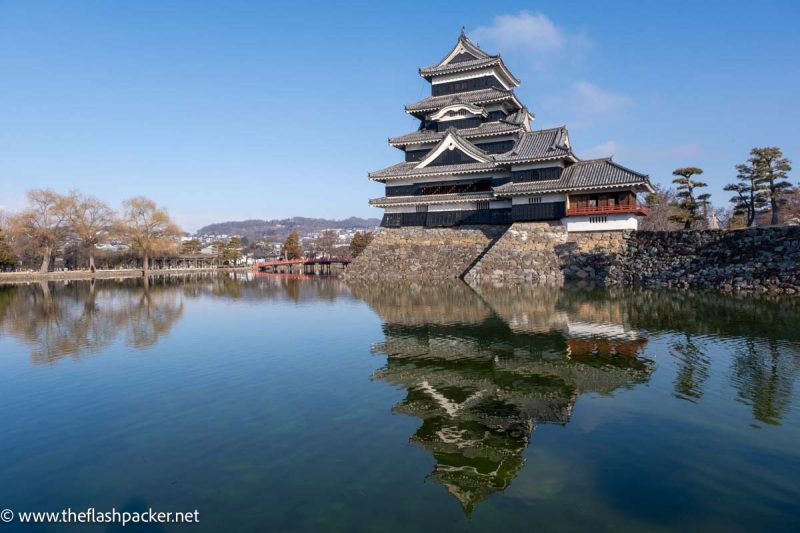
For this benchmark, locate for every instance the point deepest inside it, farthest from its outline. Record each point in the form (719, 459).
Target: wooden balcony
(637, 208)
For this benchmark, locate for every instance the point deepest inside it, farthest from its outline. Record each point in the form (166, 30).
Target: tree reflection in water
(70, 319)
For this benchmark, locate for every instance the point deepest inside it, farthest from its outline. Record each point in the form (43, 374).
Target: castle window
(483, 204)
(422, 209)
(598, 220)
(535, 200)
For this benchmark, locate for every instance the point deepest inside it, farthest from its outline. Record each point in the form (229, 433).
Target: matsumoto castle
(476, 160)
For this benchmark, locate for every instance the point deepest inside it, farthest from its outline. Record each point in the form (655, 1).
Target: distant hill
(279, 229)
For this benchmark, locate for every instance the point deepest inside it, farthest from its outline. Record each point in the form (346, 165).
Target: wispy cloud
(533, 34)
(589, 98)
(606, 149)
(674, 154)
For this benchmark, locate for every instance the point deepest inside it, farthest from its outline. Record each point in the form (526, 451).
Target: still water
(283, 404)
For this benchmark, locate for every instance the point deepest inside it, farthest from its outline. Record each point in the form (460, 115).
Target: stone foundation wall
(589, 255)
(757, 260)
(754, 260)
(423, 253)
(526, 253)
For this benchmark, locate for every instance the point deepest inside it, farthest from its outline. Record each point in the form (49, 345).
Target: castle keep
(475, 160)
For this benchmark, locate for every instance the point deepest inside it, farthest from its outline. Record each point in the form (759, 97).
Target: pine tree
(192, 246)
(219, 249)
(291, 246)
(230, 252)
(750, 198)
(771, 173)
(687, 204)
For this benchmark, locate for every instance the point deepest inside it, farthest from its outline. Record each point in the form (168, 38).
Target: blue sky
(233, 110)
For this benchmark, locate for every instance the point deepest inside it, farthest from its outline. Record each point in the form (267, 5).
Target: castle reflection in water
(481, 368)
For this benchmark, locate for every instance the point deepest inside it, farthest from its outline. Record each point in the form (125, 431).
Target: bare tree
(791, 210)
(147, 228)
(327, 241)
(42, 226)
(662, 210)
(90, 221)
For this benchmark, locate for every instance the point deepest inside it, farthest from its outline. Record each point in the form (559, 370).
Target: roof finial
(462, 33)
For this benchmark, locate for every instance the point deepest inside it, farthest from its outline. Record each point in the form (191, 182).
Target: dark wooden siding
(536, 174)
(441, 219)
(391, 220)
(543, 211)
(445, 187)
(496, 115)
(463, 56)
(462, 123)
(451, 157)
(416, 155)
(453, 187)
(497, 147)
(401, 190)
(469, 217)
(474, 84)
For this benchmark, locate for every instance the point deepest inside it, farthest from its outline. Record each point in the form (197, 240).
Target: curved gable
(454, 149)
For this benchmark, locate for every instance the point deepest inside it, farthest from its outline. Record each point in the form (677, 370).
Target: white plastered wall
(519, 200)
(615, 222)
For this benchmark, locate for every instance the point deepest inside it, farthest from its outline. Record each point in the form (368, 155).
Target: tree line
(326, 244)
(762, 194)
(53, 222)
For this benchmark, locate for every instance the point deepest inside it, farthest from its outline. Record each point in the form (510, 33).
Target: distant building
(476, 160)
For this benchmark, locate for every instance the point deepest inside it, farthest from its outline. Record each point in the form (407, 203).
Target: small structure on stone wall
(476, 160)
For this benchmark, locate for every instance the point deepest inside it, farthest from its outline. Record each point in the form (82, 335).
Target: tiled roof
(459, 66)
(541, 144)
(483, 160)
(430, 199)
(467, 46)
(484, 130)
(480, 59)
(406, 170)
(592, 174)
(481, 96)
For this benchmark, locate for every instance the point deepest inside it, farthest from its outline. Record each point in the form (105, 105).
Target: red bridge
(307, 265)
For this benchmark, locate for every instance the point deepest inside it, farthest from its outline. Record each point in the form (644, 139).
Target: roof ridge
(452, 130)
(509, 128)
(564, 127)
(470, 47)
(623, 167)
(488, 95)
(596, 159)
(461, 65)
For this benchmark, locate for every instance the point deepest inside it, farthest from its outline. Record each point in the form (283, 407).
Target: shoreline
(78, 275)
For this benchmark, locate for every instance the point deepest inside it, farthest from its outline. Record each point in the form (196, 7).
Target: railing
(301, 261)
(637, 208)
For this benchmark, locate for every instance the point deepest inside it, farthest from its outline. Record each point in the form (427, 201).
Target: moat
(291, 404)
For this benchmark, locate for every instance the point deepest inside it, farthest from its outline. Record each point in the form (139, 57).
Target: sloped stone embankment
(423, 253)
